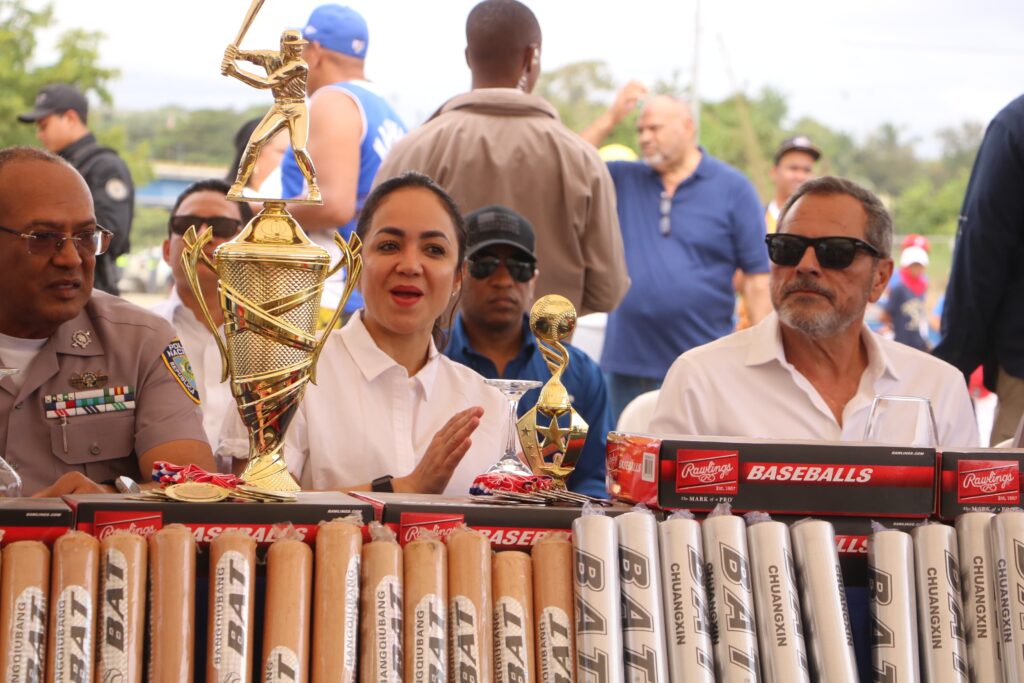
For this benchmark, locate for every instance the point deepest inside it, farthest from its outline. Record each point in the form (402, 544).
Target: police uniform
(109, 384)
(113, 195)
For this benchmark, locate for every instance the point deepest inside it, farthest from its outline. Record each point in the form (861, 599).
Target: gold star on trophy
(552, 433)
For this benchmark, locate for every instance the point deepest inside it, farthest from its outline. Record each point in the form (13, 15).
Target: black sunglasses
(223, 226)
(832, 252)
(521, 270)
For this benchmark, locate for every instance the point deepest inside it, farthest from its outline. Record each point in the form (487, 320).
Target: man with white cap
(351, 129)
(904, 308)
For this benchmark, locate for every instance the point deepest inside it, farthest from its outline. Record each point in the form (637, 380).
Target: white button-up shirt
(203, 356)
(742, 385)
(366, 417)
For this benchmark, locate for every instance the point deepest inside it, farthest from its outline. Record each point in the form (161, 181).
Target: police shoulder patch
(177, 362)
(116, 189)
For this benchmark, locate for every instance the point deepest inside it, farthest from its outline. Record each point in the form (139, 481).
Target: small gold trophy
(271, 276)
(552, 433)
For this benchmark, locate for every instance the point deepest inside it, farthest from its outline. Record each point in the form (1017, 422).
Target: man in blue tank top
(351, 130)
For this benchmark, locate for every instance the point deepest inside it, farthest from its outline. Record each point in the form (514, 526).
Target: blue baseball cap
(340, 29)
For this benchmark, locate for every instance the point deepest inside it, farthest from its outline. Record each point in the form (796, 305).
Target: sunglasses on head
(223, 226)
(832, 252)
(521, 270)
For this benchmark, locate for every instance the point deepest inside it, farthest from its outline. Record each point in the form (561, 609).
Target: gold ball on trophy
(553, 318)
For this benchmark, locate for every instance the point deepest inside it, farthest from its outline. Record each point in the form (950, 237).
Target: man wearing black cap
(60, 115)
(793, 164)
(492, 334)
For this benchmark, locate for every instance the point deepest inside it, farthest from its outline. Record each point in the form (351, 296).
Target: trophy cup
(270, 275)
(552, 433)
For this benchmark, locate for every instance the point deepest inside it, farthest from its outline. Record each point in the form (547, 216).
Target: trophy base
(268, 472)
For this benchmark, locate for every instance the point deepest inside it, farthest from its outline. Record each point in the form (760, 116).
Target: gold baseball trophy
(270, 275)
(552, 432)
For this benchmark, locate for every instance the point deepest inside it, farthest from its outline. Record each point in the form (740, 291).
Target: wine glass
(902, 421)
(513, 390)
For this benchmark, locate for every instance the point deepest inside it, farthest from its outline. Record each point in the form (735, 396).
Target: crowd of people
(747, 319)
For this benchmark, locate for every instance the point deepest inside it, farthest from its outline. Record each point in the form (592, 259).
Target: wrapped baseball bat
(426, 610)
(286, 615)
(24, 588)
(512, 574)
(643, 616)
(229, 633)
(380, 618)
(553, 613)
(686, 612)
(1007, 537)
(339, 544)
(122, 608)
(470, 626)
(598, 608)
(940, 618)
(894, 650)
(779, 630)
(74, 585)
(823, 598)
(172, 598)
(977, 587)
(730, 600)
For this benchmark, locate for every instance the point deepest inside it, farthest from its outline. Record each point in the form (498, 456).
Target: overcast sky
(922, 64)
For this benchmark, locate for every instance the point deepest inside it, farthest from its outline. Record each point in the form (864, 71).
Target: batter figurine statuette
(286, 79)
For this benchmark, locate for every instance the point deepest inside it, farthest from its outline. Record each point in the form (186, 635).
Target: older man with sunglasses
(492, 334)
(203, 204)
(811, 369)
(101, 388)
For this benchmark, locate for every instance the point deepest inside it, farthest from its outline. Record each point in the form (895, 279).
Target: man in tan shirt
(103, 388)
(498, 144)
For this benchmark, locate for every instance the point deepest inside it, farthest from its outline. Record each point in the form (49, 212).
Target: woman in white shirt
(388, 410)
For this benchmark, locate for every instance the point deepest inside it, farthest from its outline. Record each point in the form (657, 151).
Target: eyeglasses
(521, 270)
(665, 223)
(87, 242)
(224, 227)
(832, 252)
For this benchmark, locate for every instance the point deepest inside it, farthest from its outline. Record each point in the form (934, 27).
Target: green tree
(20, 78)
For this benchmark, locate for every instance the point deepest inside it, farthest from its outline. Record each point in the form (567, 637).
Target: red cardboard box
(509, 527)
(979, 480)
(33, 519)
(799, 478)
(101, 514)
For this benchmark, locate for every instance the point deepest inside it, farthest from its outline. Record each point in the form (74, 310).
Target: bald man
(499, 144)
(689, 221)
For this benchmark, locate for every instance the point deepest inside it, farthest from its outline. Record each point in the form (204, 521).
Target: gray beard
(820, 326)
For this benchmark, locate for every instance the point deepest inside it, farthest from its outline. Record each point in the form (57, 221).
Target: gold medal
(196, 492)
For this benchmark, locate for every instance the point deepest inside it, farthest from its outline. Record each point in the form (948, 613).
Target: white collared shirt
(742, 385)
(203, 356)
(366, 417)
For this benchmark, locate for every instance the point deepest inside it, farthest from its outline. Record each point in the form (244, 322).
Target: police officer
(103, 388)
(60, 114)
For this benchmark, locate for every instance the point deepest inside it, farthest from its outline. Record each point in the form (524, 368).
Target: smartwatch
(383, 484)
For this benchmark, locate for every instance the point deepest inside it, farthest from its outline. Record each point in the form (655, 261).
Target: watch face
(126, 485)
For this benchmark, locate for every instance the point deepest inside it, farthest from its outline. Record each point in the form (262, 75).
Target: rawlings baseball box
(509, 527)
(101, 514)
(979, 480)
(33, 519)
(797, 478)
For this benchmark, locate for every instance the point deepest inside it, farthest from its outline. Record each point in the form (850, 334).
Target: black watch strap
(383, 484)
